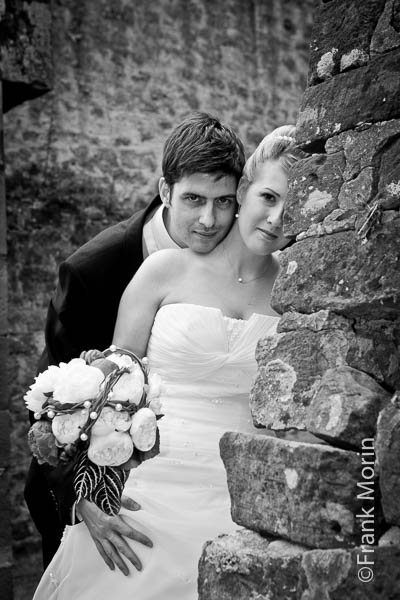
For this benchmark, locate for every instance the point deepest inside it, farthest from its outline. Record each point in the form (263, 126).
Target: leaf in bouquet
(87, 477)
(108, 493)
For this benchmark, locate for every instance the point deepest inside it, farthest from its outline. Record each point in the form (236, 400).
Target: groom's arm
(69, 328)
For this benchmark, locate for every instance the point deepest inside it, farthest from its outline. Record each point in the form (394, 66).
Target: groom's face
(200, 211)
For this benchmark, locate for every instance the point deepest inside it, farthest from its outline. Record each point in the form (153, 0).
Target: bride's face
(261, 209)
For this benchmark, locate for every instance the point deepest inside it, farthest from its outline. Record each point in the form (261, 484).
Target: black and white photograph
(200, 300)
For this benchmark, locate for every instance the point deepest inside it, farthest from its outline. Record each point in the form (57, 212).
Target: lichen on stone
(354, 58)
(326, 64)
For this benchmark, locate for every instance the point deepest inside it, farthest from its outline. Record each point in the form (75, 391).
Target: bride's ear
(164, 190)
(241, 190)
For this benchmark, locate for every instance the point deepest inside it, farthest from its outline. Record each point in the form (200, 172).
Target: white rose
(111, 420)
(67, 427)
(155, 388)
(44, 384)
(77, 382)
(144, 429)
(129, 386)
(110, 450)
(156, 406)
(122, 360)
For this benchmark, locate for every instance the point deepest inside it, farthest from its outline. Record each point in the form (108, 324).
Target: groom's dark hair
(202, 144)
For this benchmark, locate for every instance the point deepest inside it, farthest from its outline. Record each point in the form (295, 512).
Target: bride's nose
(275, 217)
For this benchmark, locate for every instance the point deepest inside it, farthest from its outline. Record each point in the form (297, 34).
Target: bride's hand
(109, 534)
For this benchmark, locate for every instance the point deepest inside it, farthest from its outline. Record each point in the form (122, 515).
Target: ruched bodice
(207, 363)
(206, 352)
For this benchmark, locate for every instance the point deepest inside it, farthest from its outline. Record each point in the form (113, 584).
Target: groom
(202, 163)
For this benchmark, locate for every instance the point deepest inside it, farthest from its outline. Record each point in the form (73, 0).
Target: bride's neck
(244, 263)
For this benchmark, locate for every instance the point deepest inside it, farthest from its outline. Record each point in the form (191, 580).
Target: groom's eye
(225, 202)
(192, 198)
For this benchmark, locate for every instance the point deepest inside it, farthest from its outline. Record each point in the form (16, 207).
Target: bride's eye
(270, 198)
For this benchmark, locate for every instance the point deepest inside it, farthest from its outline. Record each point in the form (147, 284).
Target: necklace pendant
(240, 279)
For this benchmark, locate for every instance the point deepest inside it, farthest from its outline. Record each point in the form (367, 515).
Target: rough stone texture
(343, 273)
(125, 75)
(334, 105)
(345, 407)
(391, 537)
(388, 453)
(25, 51)
(292, 363)
(337, 42)
(246, 565)
(387, 33)
(335, 574)
(317, 482)
(314, 187)
(333, 192)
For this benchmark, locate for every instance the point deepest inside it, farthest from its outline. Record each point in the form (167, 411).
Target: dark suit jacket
(81, 316)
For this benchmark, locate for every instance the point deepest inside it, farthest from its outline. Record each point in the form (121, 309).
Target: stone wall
(25, 73)
(320, 500)
(88, 153)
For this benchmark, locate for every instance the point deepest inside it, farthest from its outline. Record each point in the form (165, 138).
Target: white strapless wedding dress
(208, 365)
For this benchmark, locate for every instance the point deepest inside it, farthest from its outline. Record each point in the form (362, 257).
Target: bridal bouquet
(95, 412)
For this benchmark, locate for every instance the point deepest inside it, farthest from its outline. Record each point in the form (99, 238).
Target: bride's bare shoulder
(167, 262)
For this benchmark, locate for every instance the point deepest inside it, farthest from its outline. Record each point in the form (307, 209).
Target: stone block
(345, 575)
(388, 453)
(330, 192)
(314, 188)
(306, 493)
(366, 94)
(365, 146)
(342, 272)
(341, 43)
(292, 363)
(387, 32)
(246, 565)
(391, 537)
(345, 407)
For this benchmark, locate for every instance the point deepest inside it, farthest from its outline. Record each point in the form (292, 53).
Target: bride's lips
(268, 234)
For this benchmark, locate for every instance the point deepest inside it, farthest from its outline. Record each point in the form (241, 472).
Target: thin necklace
(241, 280)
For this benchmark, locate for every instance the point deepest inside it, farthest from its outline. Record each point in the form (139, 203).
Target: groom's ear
(164, 190)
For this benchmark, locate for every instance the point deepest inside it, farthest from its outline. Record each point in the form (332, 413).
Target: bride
(198, 318)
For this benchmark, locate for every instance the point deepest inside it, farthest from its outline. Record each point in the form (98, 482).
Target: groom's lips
(206, 234)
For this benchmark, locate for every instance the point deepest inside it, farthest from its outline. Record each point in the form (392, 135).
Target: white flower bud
(144, 429)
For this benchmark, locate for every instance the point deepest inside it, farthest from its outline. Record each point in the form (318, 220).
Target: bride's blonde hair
(280, 145)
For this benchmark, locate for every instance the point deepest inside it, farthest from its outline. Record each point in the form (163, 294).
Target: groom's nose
(207, 216)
